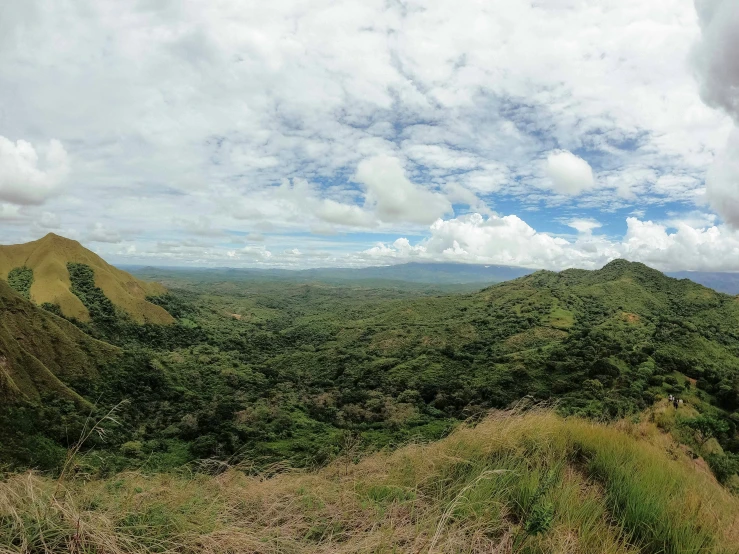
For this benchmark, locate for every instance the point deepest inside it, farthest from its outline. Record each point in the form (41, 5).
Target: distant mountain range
(431, 273)
(415, 272)
(727, 283)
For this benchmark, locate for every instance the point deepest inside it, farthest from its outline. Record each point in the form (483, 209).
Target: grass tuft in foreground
(530, 483)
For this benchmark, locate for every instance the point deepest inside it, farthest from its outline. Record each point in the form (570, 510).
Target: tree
(706, 427)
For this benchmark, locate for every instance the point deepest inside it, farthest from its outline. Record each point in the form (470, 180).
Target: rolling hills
(283, 372)
(274, 371)
(40, 269)
(254, 377)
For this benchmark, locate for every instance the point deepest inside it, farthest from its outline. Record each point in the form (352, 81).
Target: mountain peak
(621, 266)
(53, 238)
(48, 259)
(618, 263)
(621, 263)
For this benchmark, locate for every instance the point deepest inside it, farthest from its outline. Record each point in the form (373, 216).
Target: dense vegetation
(531, 483)
(20, 279)
(268, 372)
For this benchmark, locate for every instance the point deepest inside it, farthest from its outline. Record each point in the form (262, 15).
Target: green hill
(282, 371)
(623, 329)
(39, 269)
(42, 355)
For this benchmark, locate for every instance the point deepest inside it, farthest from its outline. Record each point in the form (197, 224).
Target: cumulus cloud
(393, 197)
(26, 177)
(715, 55)
(716, 66)
(569, 173)
(585, 226)
(711, 248)
(49, 220)
(101, 233)
(474, 238)
(258, 124)
(401, 250)
(509, 240)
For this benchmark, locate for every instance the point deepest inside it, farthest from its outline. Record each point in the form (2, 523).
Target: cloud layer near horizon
(541, 134)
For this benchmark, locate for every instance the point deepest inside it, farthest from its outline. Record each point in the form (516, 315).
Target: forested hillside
(274, 372)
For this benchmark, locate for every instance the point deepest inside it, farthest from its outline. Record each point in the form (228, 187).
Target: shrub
(20, 280)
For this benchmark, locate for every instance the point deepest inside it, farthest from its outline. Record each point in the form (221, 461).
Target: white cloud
(722, 182)
(49, 220)
(27, 178)
(100, 233)
(504, 240)
(10, 212)
(401, 250)
(350, 215)
(585, 226)
(569, 174)
(712, 248)
(511, 241)
(257, 124)
(715, 55)
(695, 218)
(254, 253)
(716, 66)
(393, 197)
(201, 226)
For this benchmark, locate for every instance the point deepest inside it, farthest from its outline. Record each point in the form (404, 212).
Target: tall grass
(531, 483)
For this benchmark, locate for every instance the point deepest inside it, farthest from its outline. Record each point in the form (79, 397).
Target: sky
(538, 133)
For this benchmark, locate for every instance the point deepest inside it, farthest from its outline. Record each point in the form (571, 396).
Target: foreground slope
(531, 483)
(42, 354)
(48, 259)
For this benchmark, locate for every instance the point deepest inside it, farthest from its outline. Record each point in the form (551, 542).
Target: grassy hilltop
(39, 270)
